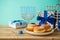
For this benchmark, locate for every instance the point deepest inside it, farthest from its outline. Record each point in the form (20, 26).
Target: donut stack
(39, 28)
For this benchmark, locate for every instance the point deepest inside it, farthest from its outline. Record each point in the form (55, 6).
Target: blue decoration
(59, 19)
(59, 24)
(20, 32)
(44, 19)
(18, 21)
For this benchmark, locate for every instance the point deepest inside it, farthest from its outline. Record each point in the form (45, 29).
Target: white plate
(46, 33)
(33, 33)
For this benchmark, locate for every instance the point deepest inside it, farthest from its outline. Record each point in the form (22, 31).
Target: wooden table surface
(11, 33)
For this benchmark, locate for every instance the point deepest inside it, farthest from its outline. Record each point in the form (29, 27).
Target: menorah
(55, 7)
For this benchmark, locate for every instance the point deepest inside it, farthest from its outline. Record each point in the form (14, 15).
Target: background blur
(10, 9)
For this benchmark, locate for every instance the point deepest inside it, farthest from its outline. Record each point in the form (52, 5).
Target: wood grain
(7, 33)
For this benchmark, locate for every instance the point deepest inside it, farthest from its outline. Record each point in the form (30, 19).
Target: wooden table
(7, 33)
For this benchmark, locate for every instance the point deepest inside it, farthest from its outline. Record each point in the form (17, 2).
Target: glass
(28, 13)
